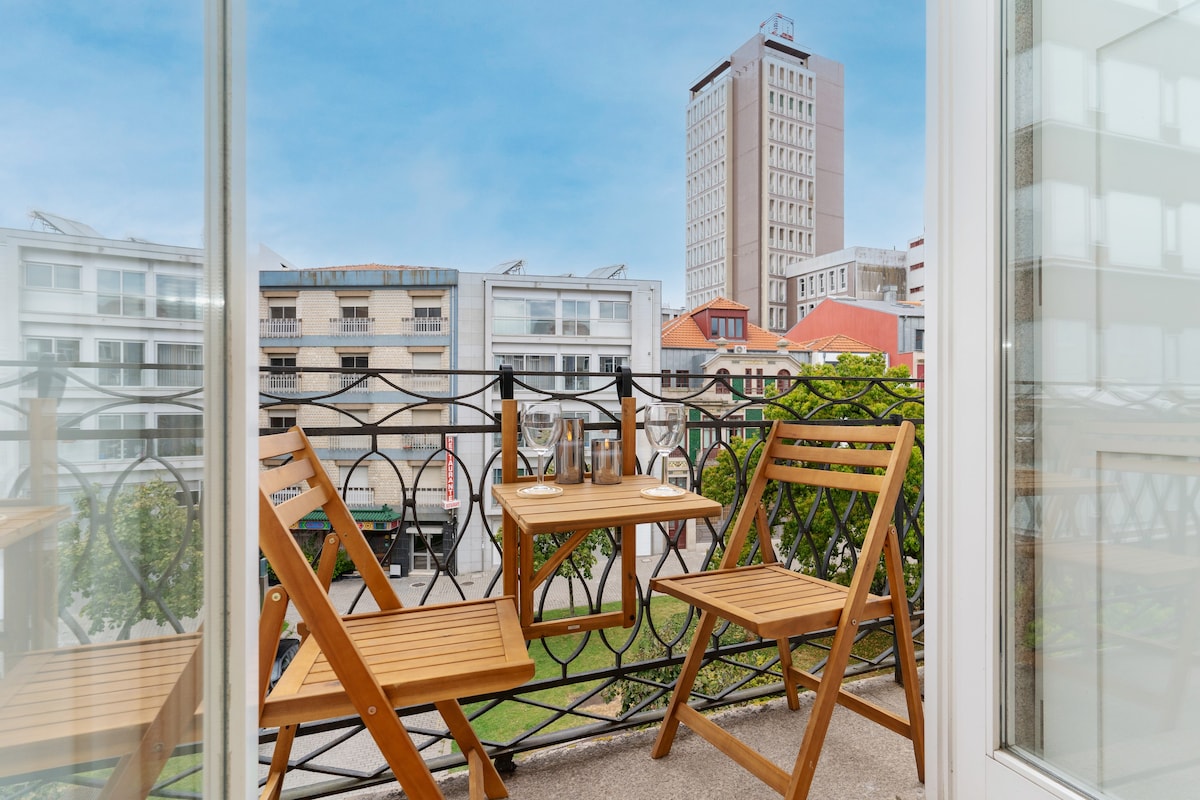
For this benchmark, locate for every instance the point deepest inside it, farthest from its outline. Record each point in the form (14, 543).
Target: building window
(428, 319)
(180, 435)
(121, 294)
(53, 349)
(576, 383)
(176, 297)
(355, 320)
(614, 310)
(120, 449)
(350, 377)
(576, 317)
(110, 352)
(918, 340)
(183, 354)
(613, 363)
(727, 327)
(51, 276)
(842, 277)
(783, 381)
(281, 321)
(526, 367)
(524, 317)
(722, 384)
(281, 420)
(281, 381)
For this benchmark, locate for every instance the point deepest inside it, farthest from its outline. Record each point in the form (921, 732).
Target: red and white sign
(450, 500)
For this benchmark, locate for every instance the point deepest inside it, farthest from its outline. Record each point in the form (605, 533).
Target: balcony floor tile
(860, 761)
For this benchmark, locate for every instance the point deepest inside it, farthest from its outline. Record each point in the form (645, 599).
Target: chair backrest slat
(829, 478)
(278, 444)
(320, 494)
(291, 511)
(786, 458)
(291, 473)
(873, 434)
(844, 456)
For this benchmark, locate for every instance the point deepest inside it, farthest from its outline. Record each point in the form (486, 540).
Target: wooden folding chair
(776, 603)
(371, 663)
(74, 708)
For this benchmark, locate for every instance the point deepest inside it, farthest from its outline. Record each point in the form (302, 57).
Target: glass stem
(663, 456)
(541, 465)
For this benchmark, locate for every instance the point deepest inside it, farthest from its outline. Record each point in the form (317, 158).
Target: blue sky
(458, 135)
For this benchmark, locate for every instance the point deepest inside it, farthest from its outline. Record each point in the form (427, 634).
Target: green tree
(139, 548)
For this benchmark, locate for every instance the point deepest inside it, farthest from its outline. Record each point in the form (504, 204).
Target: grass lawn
(512, 718)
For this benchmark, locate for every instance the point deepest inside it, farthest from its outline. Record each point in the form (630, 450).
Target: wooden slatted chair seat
(420, 655)
(373, 663)
(72, 707)
(771, 600)
(776, 603)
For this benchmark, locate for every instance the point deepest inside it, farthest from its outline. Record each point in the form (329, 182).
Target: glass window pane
(1102, 478)
(39, 275)
(108, 146)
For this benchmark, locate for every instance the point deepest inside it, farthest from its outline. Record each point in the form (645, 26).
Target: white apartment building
(543, 323)
(110, 314)
(765, 174)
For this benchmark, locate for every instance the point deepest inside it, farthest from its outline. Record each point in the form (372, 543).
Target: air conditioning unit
(739, 348)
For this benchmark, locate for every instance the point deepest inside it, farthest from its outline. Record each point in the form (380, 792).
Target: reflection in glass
(102, 404)
(1102, 557)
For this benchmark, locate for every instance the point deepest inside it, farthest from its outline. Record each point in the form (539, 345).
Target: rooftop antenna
(779, 26)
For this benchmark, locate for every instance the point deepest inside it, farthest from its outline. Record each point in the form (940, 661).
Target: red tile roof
(684, 332)
(838, 343)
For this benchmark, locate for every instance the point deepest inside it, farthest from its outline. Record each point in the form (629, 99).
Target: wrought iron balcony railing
(587, 684)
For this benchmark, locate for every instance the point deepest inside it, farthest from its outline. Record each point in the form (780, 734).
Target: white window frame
(963, 173)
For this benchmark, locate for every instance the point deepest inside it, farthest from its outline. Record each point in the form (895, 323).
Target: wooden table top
(17, 522)
(589, 505)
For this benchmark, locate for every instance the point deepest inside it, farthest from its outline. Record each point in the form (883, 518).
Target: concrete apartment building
(112, 312)
(765, 173)
(862, 273)
(367, 317)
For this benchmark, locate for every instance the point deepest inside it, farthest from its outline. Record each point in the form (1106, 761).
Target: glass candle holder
(606, 461)
(568, 454)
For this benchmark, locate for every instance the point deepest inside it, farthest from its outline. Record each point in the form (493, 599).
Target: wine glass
(664, 432)
(541, 424)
